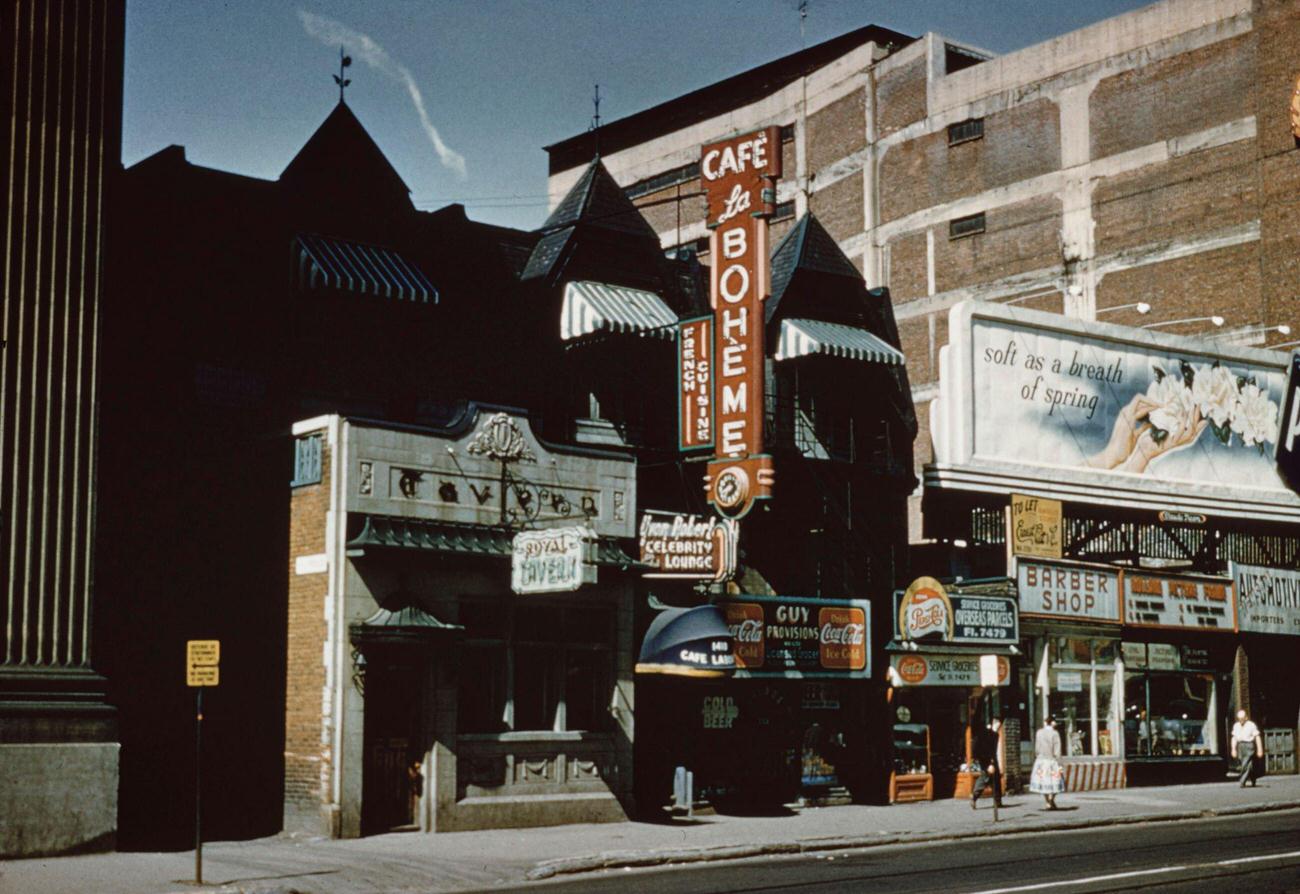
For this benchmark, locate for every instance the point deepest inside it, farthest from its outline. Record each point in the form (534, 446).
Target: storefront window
(1171, 714)
(1080, 695)
(542, 668)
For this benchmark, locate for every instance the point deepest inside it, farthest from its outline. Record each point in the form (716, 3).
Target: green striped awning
(324, 263)
(597, 307)
(800, 338)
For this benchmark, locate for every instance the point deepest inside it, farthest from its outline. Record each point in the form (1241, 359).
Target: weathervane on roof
(344, 62)
(595, 119)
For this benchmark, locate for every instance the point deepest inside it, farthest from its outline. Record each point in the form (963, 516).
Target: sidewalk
(474, 860)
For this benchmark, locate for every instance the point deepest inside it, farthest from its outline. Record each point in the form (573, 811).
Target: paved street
(504, 857)
(1261, 853)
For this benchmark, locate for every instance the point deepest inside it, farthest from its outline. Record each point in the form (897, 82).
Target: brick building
(1146, 158)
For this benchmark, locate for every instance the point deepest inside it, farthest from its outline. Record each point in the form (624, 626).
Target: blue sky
(243, 83)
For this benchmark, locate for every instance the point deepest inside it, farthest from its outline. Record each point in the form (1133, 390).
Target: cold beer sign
(739, 178)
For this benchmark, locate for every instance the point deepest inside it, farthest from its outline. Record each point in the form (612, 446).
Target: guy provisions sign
(786, 636)
(1043, 405)
(929, 669)
(739, 179)
(1062, 590)
(1268, 599)
(1158, 600)
(553, 560)
(688, 546)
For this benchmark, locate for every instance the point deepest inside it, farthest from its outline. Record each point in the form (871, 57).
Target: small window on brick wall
(787, 134)
(783, 211)
(966, 226)
(965, 131)
(306, 461)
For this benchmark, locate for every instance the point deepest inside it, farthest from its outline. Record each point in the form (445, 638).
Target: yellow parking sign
(201, 659)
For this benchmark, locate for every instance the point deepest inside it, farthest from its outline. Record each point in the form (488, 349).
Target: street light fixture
(1283, 329)
(1215, 320)
(1140, 306)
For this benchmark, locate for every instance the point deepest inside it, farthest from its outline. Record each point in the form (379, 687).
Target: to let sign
(202, 657)
(739, 179)
(1035, 527)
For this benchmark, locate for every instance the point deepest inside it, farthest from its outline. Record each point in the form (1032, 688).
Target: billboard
(1046, 405)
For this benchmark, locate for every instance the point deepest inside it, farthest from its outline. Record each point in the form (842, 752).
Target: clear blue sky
(243, 83)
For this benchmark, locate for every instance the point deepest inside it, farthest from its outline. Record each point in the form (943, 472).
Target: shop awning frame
(321, 262)
(385, 532)
(692, 630)
(593, 307)
(803, 338)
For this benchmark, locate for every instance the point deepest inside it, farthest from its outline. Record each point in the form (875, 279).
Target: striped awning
(597, 307)
(799, 338)
(323, 263)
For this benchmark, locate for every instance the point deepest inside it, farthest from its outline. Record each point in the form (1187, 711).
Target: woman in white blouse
(1047, 778)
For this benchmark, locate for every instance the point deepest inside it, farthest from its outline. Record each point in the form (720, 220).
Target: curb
(640, 859)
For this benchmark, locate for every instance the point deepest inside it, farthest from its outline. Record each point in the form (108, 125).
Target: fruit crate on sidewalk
(1279, 751)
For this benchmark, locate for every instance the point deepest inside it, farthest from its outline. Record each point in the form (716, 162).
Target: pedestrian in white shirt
(1246, 745)
(1047, 777)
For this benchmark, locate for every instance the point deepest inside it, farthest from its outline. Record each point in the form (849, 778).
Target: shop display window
(1171, 714)
(1081, 695)
(535, 668)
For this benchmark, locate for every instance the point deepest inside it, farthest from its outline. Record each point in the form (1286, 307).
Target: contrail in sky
(333, 33)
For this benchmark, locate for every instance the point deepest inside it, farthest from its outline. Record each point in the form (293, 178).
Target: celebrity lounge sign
(739, 179)
(692, 547)
(783, 636)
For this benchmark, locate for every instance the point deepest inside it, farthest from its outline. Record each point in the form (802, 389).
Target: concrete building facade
(1146, 158)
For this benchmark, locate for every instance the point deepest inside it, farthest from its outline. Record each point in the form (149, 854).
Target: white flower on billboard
(1176, 409)
(1254, 416)
(1215, 392)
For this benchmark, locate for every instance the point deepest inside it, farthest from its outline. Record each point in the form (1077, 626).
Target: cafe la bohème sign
(739, 178)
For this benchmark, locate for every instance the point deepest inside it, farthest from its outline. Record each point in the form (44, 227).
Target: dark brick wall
(900, 97)
(837, 130)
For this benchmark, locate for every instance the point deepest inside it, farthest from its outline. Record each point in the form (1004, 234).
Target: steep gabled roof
(806, 247)
(341, 148)
(598, 200)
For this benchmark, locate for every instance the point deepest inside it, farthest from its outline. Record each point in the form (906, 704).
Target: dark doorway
(392, 777)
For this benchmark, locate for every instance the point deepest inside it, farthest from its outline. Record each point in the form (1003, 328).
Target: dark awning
(410, 624)
(691, 642)
(392, 532)
(324, 263)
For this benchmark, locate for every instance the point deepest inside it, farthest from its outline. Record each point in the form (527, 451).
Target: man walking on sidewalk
(988, 753)
(1246, 746)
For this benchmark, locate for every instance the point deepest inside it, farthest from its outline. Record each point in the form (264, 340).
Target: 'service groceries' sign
(928, 669)
(553, 560)
(739, 179)
(781, 636)
(695, 383)
(1268, 599)
(1152, 600)
(1068, 591)
(688, 546)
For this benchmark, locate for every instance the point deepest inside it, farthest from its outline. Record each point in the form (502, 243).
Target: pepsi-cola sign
(927, 612)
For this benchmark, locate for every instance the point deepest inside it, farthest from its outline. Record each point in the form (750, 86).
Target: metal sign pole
(198, 788)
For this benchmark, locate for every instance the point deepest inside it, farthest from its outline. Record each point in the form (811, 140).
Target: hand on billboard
(1147, 448)
(1124, 435)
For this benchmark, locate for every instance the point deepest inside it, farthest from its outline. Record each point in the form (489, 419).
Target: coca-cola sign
(788, 636)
